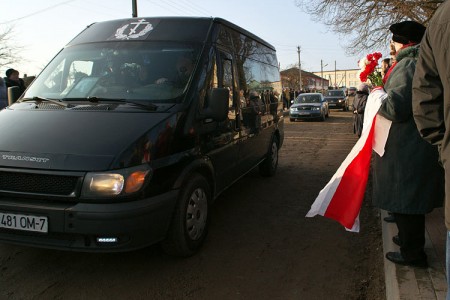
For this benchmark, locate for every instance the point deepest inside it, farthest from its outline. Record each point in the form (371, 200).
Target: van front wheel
(190, 220)
(269, 166)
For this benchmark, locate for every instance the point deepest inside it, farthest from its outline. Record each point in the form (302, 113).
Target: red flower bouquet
(368, 67)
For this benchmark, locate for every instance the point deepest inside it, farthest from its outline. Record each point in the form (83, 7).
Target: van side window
(258, 80)
(227, 67)
(222, 77)
(228, 78)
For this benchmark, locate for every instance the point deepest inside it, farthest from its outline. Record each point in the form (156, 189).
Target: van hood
(72, 141)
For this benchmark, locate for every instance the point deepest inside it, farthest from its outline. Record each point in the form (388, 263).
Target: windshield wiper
(146, 105)
(40, 99)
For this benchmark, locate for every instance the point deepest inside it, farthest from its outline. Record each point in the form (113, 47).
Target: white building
(341, 78)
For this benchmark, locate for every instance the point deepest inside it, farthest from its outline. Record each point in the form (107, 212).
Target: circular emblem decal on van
(136, 30)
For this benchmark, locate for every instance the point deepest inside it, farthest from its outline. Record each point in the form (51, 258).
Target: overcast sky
(43, 27)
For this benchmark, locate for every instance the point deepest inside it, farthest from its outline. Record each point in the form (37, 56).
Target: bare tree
(367, 22)
(9, 52)
(290, 77)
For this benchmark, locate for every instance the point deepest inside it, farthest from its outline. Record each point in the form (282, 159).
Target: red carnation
(369, 71)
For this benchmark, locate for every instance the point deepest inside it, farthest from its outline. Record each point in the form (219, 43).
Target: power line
(81, 7)
(37, 12)
(165, 8)
(89, 5)
(199, 8)
(187, 7)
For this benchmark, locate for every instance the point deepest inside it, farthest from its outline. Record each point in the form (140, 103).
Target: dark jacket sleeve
(428, 100)
(398, 107)
(362, 105)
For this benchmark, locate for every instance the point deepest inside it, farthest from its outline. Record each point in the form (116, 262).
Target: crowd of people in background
(289, 94)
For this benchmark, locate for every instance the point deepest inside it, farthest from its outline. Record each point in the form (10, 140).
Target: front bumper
(305, 115)
(76, 226)
(336, 104)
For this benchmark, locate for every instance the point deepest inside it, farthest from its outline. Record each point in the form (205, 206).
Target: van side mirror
(13, 94)
(217, 108)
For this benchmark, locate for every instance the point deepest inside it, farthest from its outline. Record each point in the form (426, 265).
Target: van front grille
(43, 184)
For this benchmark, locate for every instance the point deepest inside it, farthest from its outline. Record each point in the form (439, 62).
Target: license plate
(304, 113)
(331, 104)
(24, 222)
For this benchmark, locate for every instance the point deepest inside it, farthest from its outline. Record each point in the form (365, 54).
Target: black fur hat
(407, 32)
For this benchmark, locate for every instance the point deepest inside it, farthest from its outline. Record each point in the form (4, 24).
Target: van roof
(149, 28)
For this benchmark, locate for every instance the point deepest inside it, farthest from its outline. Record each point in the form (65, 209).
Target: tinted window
(257, 65)
(221, 76)
(258, 78)
(144, 71)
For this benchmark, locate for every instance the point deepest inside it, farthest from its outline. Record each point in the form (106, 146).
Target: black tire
(269, 166)
(322, 117)
(190, 220)
(292, 119)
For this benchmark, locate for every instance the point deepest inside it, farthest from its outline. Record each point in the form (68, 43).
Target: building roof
(304, 73)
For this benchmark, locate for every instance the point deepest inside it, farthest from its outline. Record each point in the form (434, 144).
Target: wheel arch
(277, 134)
(202, 166)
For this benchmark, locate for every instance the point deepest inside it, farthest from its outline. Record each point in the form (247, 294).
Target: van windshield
(143, 71)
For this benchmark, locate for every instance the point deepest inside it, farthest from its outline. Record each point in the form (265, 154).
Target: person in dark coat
(3, 94)
(431, 98)
(12, 79)
(359, 106)
(408, 179)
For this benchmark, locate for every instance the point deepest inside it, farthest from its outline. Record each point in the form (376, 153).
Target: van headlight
(115, 183)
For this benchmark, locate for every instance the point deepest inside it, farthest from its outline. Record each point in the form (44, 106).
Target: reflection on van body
(132, 130)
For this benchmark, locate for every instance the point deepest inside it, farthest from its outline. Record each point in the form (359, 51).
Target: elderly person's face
(397, 46)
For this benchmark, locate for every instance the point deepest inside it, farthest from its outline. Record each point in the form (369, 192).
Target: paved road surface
(260, 245)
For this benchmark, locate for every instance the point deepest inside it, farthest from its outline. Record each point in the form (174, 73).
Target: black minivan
(132, 130)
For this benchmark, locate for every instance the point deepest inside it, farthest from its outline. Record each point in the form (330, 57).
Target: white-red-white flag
(342, 197)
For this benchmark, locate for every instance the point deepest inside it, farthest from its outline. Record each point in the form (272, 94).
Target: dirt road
(260, 245)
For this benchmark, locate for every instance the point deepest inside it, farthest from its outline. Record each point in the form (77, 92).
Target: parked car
(337, 99)
(309, 106)
(129, 134)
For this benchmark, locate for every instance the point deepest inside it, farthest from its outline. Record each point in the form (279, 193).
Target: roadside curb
(403, 282)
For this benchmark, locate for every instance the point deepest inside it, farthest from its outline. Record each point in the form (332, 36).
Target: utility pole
(299, 68)
(321, 71)
(134, 7)
(335, 80)
(345, 80)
